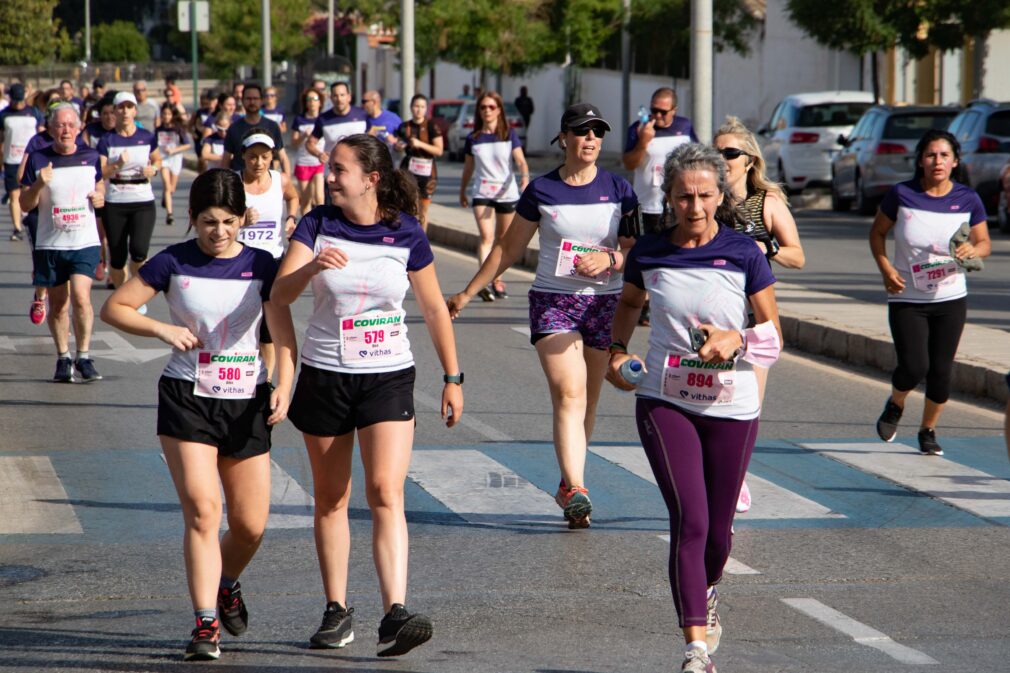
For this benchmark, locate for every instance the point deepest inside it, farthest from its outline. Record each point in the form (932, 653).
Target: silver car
(462, 125)
(880, 153)
(983, 130)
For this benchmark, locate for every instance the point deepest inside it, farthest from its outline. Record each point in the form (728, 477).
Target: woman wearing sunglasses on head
(488, 184)
(761, 211)
(582, 214)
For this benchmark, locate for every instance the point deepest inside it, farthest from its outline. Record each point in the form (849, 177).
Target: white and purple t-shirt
(66, 216)
(275, 115)
(18, 128)
(492, 166)
(649, 174)
(374, 281)
(692, 286)
(96, 132)
(219, 300)
(129, 184)
(571, 215)
(332, 127)
(305, 126)
(923, 226)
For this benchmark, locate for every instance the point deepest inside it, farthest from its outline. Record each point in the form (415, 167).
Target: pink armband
(762, 345)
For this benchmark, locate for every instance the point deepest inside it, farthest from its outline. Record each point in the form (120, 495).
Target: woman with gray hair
(698, 403)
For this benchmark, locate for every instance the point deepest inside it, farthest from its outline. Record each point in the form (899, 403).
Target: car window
(831, 114)
(967, 124)
(789, 115)
(774, 124)
(914, 126)
(446, 110)
(862, 129)
(956, 125)
(998, 124)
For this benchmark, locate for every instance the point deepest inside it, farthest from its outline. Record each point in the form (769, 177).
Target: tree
(28, 32)
(234, 37)
(119, 41)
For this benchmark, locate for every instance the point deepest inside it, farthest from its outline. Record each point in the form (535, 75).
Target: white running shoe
(743, 502)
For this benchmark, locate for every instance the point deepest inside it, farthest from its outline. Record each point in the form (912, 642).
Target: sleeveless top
(753, 210)
(268, 233)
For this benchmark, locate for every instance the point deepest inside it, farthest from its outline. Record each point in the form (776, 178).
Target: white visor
(258, 139)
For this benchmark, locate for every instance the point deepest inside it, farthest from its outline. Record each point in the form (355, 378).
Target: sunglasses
(315, 98)
(583, 131)
(732, 153)
(488, 107)
(660, 111)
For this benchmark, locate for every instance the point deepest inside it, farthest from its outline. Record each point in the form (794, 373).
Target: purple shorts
(591, 315)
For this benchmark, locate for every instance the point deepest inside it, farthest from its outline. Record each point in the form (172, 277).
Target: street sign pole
(195, 54)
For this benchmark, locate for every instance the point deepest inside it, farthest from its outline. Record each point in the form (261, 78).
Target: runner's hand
(646, 132)
(965, 251)
(463, 201)
(330, 258)
(46, 174)
(179, 338)
(149, 171)
(614, 370)
(279, 401)
(97, 199)
(123, 158)
(452, 404)
(592, 264)
(456, 304)
(893, 282)
(721, 345)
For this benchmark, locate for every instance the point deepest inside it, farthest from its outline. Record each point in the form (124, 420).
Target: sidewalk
(820, 323)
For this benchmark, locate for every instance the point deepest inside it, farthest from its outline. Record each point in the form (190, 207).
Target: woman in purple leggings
(698, 403)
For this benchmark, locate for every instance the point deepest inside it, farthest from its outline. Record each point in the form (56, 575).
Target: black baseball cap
(17, 92)
(581, 114)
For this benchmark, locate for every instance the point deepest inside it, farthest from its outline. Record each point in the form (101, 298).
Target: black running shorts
(238, 428)
(330, 404)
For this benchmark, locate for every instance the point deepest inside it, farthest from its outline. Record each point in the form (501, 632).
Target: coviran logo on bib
(350, 323)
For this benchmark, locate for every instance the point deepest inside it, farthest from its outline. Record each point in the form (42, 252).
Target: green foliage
(28, 33)
(582, 29)
(234, 37)
(119, 41)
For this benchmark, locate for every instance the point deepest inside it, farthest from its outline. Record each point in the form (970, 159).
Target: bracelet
(613, 260)
(617, 347)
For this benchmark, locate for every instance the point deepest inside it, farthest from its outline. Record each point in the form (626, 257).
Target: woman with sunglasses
(761, 212)
(270, 109)
(488, 184)
(308, 168)
(581, 212)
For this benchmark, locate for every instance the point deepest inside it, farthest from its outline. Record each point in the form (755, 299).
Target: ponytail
(396, 191)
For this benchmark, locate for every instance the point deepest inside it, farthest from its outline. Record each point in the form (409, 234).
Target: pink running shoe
(743, 502)
(38, 311)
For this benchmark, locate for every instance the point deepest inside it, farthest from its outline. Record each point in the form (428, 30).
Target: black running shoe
(400, 632)
(887, 424)
(204, 645)
(500, 292)
(64, 370)
(928, 445)
(232, 611)
(337, 629)
(486, 294)
(86, 368)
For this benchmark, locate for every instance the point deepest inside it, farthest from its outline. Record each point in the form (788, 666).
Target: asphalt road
(857, 555)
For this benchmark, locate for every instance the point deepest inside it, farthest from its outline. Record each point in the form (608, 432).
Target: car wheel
(1003, 213)
(838, 204)
(864, 205)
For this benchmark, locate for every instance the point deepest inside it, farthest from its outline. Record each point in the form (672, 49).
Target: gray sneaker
(696, 661)
(887, 424)
(713, 627)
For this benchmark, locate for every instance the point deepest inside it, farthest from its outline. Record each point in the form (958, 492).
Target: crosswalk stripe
(859, 632)
(732, 567)
(770, 500)
(958, 485)
(33, 500)
(479, 489)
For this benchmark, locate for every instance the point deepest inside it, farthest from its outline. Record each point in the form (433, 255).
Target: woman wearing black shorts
(421, 142)
(361, 255)
(926, 288)
(215, 407)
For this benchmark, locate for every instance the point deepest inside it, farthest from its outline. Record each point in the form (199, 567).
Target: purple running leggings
(699, 463)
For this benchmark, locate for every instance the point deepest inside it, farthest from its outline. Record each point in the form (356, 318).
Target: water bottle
(632, 371)
(643, 115)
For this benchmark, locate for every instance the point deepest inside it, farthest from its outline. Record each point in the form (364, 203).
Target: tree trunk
(875, 74)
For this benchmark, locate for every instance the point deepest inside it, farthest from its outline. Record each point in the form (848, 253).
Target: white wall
(995, 83)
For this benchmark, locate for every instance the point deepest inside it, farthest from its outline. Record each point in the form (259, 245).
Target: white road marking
(963, 487)
(480, 489)
(732, 567)
(859, 632)
(467, 420)
(770, 500)
(33, 500)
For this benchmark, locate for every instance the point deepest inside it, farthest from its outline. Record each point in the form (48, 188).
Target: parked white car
(801, 137)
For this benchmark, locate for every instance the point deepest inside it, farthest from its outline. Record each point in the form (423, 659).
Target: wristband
(453, 378)
(613, 260)
(617, 347)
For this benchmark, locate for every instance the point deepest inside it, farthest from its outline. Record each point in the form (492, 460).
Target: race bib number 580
(226, 375)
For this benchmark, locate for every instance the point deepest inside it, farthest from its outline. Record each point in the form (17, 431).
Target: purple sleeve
(627, 195)
(759, 271)
(694, 137)
(154, 141)
(157, 271)
(266, 271)
(307, 230)
(420, 252)
(632, 270)
(514, 137)
(98, 170)
(103, 147)
(468, 145)
(317, 130)
(632, 138)
(29, 177)
(528, 207)
(889, 204)
(978, 215)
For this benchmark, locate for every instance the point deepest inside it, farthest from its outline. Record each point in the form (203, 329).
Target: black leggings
(925, 339)
(128, 231)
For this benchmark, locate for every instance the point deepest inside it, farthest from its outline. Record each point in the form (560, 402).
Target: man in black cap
(18, 123)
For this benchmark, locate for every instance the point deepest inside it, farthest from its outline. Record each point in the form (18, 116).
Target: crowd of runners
(687, 248)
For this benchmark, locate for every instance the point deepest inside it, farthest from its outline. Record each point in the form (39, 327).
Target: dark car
(880, 153)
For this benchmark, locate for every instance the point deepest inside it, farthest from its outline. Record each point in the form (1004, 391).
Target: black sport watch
(771, 247)
(453, 378)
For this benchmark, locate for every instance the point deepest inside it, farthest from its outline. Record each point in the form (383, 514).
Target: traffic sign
(202, 15)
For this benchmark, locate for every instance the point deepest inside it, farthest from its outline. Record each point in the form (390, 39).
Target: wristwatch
(453, 378)
(771, 247)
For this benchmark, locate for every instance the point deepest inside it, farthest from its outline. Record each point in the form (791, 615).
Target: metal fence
(46, 74)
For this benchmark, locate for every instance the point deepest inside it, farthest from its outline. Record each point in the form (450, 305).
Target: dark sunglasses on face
(584, 131)
(660, 111)
(732, 153)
